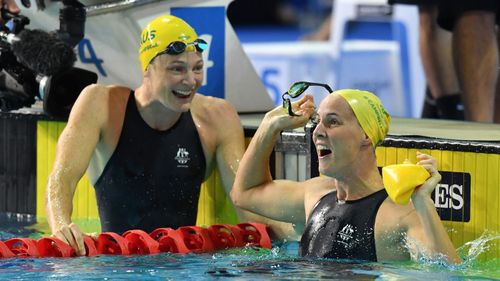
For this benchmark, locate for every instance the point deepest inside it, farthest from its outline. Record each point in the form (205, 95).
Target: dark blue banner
(209, 23)
(452, 196)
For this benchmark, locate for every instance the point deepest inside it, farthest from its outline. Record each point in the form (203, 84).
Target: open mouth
(181, 94)
(323, 151)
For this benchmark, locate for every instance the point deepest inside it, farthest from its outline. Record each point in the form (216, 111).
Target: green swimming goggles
(296, 90)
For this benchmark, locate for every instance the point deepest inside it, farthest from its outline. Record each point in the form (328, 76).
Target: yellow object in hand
(401, 180)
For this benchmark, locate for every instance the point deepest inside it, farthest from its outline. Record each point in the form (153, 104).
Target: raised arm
(428, 229)
(229, 149)
(254, 189)
(74, 151)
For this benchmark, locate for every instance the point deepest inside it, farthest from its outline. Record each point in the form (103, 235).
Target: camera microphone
(41, 52)
(36, 64)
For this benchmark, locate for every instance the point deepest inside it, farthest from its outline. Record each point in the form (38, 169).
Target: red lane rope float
(196, 239)
(255, 234)
(5, 252)
(110, 243)
(23, 247)
(90, 246)
(185, 239)
(53, 247)
(143, 244)
(224, 237)
(169, 240)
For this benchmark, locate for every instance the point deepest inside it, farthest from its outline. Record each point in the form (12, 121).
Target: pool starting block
(183, 240)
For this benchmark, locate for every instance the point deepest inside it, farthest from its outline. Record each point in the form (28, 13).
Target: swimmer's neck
(354, 189)
(156, 114)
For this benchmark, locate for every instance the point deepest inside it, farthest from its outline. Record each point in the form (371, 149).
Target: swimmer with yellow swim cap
(168, 35)
(346, 213)
(147, 150)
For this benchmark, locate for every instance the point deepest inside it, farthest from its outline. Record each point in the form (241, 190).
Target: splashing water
(471, 251)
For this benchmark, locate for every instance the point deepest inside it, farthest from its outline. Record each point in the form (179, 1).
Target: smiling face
(174, 79)
(338, 137)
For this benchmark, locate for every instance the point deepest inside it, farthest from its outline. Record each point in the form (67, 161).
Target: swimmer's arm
(427, 229)
(254, 188)
(230, 149)
(74, 150)
(230, 142)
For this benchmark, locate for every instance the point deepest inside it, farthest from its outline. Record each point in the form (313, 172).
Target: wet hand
(304, 108)
(72, 235)
(430, 164)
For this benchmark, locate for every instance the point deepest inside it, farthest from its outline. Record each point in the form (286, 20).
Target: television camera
(38, 65)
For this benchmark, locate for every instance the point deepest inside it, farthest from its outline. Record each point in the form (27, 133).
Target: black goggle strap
(321, 85)
(298, 88)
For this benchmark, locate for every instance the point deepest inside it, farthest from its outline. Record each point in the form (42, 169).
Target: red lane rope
(185, 239)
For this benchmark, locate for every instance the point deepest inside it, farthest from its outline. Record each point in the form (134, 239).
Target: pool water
(280, 263)
(250, 263)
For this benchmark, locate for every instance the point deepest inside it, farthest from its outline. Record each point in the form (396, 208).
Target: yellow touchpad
(400, 180)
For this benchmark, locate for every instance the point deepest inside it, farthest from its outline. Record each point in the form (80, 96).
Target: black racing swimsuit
(342, 230)
(153, 177)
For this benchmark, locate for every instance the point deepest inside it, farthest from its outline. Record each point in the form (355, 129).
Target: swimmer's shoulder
(98, 103)
(320, 185)
(215, 111)
(396, 217)
(315, 188)
(101, 96)
(208, 104)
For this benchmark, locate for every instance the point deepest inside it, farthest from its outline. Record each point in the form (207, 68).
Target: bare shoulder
(395, 217)
(98, 98)
(97, 103)
(100, 94)
(320, 184)
(212, 107)
(316, 188)
(217, 115)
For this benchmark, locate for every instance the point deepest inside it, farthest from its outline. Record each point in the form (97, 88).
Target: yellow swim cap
(159, 33)
(369, 111)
